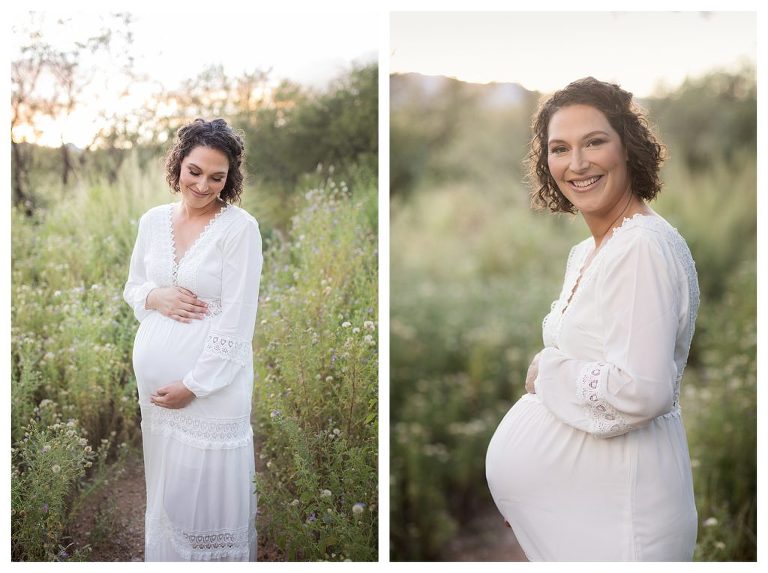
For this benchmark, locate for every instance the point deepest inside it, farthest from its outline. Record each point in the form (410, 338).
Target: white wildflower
(710, 522)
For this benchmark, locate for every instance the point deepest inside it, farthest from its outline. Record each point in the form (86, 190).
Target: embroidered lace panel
(214, 307)
(203, 433)
(604, 418)
(228, 348)
(184, 271)
(221, 544)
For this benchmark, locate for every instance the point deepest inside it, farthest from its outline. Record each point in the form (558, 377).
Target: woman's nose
(578, 161)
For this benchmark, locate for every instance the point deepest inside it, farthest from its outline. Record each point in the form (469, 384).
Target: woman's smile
(585, 184)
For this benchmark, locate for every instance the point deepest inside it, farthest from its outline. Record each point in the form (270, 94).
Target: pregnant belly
(165, 350)
(534, 457)
(525, 450)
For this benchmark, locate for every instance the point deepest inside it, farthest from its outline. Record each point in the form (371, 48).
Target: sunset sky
(170, 47)
(546, 50)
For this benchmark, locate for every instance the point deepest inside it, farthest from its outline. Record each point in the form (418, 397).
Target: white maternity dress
(595, 466)
(199, 459)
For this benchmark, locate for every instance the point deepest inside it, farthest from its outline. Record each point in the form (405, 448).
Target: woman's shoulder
(647, 229)
(242, 225)
(241, 219)
(651, 234)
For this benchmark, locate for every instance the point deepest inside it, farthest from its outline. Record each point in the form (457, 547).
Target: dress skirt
(573, 496)
(199, 460)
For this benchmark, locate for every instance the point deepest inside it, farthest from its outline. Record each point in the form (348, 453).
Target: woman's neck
(190, 212)
(601, 225)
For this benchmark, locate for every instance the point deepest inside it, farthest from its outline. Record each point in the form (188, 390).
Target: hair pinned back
(216, 134)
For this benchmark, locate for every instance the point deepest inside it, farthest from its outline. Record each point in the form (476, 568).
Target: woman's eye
(558, 149)
(594, 142)
(193, 173)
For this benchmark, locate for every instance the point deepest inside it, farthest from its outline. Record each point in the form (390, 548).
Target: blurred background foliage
(311, 166)
(474, 270)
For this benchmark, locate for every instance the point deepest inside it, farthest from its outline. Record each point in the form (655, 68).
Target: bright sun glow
(171, 48)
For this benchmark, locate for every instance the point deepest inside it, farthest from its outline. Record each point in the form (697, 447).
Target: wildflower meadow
(75, 426)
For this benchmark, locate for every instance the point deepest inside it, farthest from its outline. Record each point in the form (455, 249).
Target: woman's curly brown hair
(216, 134)
(645, 152)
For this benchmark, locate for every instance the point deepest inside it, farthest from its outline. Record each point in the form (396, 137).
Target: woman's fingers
(197, 309)
(190, 297)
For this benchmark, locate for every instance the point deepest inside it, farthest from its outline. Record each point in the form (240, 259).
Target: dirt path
(484, 538)
(112, 520)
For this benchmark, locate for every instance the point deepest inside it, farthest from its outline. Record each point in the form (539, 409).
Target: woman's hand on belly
(533, 372)
(174, 395)
(177, 303)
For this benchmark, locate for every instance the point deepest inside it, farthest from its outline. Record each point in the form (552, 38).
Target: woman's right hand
(533, 372)
(177, 303)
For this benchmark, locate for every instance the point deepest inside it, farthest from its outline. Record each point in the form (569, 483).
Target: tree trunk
(20, 172)
(66, 164)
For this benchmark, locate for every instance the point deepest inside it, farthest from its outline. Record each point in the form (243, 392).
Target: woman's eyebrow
(197, 167)
(587, 136)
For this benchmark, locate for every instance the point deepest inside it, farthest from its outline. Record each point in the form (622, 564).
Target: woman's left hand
(174, 395)
(533, 372)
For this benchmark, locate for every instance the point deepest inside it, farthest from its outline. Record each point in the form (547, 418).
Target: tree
(49, 81)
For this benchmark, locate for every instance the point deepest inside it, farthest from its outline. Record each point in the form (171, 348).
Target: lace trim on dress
(576, 276)
(189, 255)
(604, 419)
(221, 544)
(228, 348)
(205, 433)
(214, 307)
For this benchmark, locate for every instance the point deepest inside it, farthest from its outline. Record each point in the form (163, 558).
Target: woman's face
(587, 159)
(203, 176)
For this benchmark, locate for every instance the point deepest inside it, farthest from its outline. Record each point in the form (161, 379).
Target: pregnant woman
(592, 463)
(194, 286)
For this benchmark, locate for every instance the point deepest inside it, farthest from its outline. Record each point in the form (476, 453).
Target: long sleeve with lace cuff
(634, 382)
(228, 345)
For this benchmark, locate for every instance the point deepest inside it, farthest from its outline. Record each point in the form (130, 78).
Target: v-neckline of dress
(176, 261)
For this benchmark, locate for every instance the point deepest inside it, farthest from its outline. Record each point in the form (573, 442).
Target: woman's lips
(198, 194)
(584, 184)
